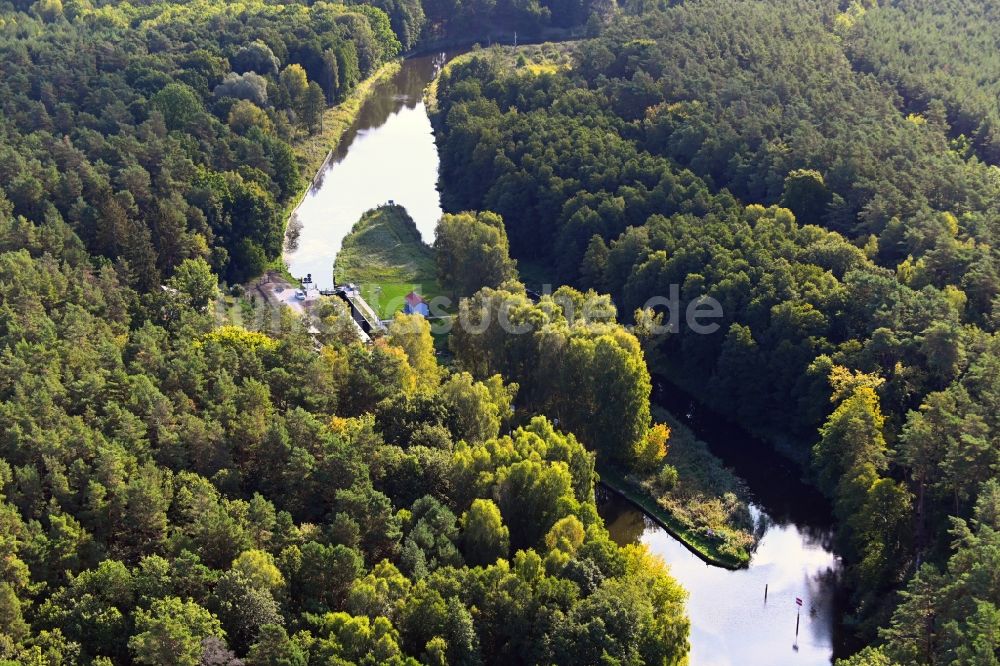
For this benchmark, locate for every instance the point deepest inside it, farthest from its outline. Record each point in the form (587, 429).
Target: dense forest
(174, 492)
(779, 158)
(936, 51)
(177, 488)
(165, 131)
(161, 133)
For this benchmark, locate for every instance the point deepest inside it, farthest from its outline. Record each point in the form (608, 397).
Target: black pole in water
(797, 615)
(765, 593)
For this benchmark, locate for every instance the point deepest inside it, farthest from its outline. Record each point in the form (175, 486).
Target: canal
(731, 622)
(389, 154)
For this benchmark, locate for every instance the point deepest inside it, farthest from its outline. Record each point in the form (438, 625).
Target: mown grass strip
(313, 150)
(385, 255)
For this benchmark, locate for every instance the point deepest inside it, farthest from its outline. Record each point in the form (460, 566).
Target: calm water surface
(388, 154)
(731, 624)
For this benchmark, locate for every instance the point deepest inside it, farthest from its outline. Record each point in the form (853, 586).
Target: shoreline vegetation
(613, 480)
(430, 92)
(385, 256)
(312, 151)
(536, 58)
(702, 505)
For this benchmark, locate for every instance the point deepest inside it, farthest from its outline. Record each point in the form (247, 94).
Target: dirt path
(276, 291)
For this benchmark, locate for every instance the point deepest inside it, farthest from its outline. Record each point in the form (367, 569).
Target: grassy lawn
(386, 298)
(385, 255)
(704, 509)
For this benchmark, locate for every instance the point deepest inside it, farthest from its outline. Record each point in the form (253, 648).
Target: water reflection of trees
(817, 536)
(293, 233)
(810, 535)
(823, 592)
(406, 88)
(762, 524)
(625, 523)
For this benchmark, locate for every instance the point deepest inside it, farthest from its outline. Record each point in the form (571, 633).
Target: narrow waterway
(390, 153)
(731, 622)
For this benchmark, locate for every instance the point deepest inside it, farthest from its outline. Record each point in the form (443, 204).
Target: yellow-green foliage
(412, 333)
(544, 68)
(241, 339)
(706, 495)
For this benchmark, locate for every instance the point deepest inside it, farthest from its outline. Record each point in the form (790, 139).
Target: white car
(300, 294)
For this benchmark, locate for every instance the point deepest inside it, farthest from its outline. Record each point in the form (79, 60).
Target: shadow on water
(404, 89)
(731, 623)
(775, 482)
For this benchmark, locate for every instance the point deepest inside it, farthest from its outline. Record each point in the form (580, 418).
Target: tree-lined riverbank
(386, 138)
